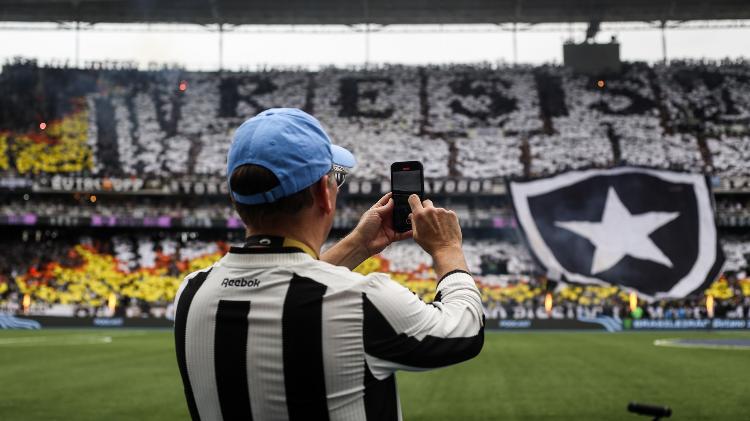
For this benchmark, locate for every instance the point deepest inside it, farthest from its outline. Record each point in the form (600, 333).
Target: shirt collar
(273, 244)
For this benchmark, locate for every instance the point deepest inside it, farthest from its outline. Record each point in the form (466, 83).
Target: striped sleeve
(402, 332)
(183, 301)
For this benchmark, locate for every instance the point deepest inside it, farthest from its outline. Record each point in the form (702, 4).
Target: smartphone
(407, 178)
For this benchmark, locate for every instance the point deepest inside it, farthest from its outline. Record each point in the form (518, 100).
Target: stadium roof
(299, 12)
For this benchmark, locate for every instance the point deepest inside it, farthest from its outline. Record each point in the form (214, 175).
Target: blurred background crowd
(73, 247)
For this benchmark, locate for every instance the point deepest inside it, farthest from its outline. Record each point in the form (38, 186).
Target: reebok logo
(240, 282)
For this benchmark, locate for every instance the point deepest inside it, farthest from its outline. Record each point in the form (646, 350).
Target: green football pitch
(132, 375)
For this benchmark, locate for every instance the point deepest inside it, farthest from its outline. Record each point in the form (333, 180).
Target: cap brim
(343, 157)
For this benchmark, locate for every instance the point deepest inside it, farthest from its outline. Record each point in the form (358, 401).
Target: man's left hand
(375, 229)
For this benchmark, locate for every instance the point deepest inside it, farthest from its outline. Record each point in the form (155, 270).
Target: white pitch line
(673, 343)
(58, 340)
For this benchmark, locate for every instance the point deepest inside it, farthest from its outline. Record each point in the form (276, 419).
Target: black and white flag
(648, 230)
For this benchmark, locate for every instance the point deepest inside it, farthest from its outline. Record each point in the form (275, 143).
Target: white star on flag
(621, 234)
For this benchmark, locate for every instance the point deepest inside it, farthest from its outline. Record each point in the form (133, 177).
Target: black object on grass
(651, 410)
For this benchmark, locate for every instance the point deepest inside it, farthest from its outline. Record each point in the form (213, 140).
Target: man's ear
(322, 195)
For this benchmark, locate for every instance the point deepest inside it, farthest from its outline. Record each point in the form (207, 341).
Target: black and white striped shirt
(274, 334)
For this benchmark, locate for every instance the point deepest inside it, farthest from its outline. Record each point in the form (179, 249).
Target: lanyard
(274, 241)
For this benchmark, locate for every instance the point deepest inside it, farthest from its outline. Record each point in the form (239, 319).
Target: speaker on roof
(592, 58)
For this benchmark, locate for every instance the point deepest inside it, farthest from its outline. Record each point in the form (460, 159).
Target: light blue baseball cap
(292, 145)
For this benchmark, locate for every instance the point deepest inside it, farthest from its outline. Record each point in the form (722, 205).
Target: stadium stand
(479, 122)
(77, 276)
(472, 121)
(139, 207)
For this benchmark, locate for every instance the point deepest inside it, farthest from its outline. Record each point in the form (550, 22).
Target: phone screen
(406, 179)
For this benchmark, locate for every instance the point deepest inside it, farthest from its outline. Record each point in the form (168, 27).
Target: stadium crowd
(217, 209)
(141, 273)
(475, 121)
(480, 121)
(730, 211)
(131, 207)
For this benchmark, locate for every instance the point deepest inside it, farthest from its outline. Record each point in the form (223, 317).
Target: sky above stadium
(196, 47)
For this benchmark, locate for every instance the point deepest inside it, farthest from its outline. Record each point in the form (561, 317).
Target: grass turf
(130, 374)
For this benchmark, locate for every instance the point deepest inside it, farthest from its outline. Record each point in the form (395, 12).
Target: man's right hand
(437, 231)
